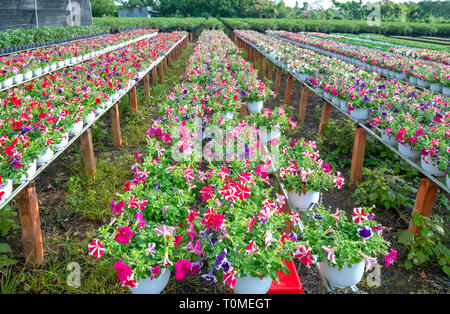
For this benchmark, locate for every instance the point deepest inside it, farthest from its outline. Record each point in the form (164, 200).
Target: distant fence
(37, 13)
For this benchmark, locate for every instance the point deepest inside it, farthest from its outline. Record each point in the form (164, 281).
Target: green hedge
(339, 26)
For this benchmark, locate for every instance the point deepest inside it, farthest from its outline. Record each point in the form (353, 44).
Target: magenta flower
(182, 268)
(123, 271)
(123, 235)
(390, 258)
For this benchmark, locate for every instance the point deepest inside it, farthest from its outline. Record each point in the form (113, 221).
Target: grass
(68, 228)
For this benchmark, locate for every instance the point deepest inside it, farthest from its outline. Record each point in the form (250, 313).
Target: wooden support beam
(243, 111)
(303, 104)
(288, 90)
(165, 68)
(87, 150)
(423, 205)
(286, 209)
(28, 208)
(359, 148)
(260, 56)
(161, 72)
(115, 126)
(278, 80)
(326, 111)
(146, 87)
(270, 72)
(154, 75)
(264, 67)
(133, 99)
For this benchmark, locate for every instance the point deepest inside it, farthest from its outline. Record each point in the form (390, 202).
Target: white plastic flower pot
(37, 72)
(252, 285)
(343, 105)
(67, 62)
(413, 80)
(303, 201)
(346, 277)
(77, 128)
(336, 101)
(446, 91)
(327, 95)
(53, 66)
(89, 118)
(73, 60)
(303, 77)
(45, 157)
(423, 83)
(6, 187)
(430, 166)
(273, 134)
(227, 115)
(402, 76)
(28, 75)
(388, 139)
(18, 79)
(46, 69)
(409, 152)
(155, 286)
(436, 87)
(447, 180)
(8, 82)
(60, 64)
(64, 141)
(255, 106)
(360, 113)
(30, 172)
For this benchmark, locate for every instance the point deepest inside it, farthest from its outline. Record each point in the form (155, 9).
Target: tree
(103, 8)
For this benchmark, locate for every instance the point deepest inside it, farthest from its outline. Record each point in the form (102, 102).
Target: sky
(327, 3)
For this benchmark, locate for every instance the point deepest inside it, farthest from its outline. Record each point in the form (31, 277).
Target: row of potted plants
(25, 65)
(37, 119)
(415, 121)
(425, 74)
(440, 56)
(217, 216)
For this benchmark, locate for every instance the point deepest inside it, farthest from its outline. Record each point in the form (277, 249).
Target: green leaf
(417, 220)
(4, 248)
(446, 269)
(405, 237)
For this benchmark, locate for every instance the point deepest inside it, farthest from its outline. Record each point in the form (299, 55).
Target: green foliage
(7, 223)
(336, 145)
(383, 188)
(429, 247)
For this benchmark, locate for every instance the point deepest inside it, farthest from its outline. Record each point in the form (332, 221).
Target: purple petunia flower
(365, 233)
(209, 275)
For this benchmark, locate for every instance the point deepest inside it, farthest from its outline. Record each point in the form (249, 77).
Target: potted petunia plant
(240, 231)
(304, 174)
(344, 249)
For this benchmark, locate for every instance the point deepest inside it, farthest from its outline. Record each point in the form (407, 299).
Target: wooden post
(264, 67)
(326, 111)
(166, 69)
(288, 90)
(287, 210)
(260, 56)
(303, 104)
(161, 72)
(87, 150)
(154, 75)
(270, 72)
(115, 126)
(424, 201)
(243, 111)
(255, 56)
(28, 208)
(359, 148)
(133, 99)
(278, 80)
(146, 87)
